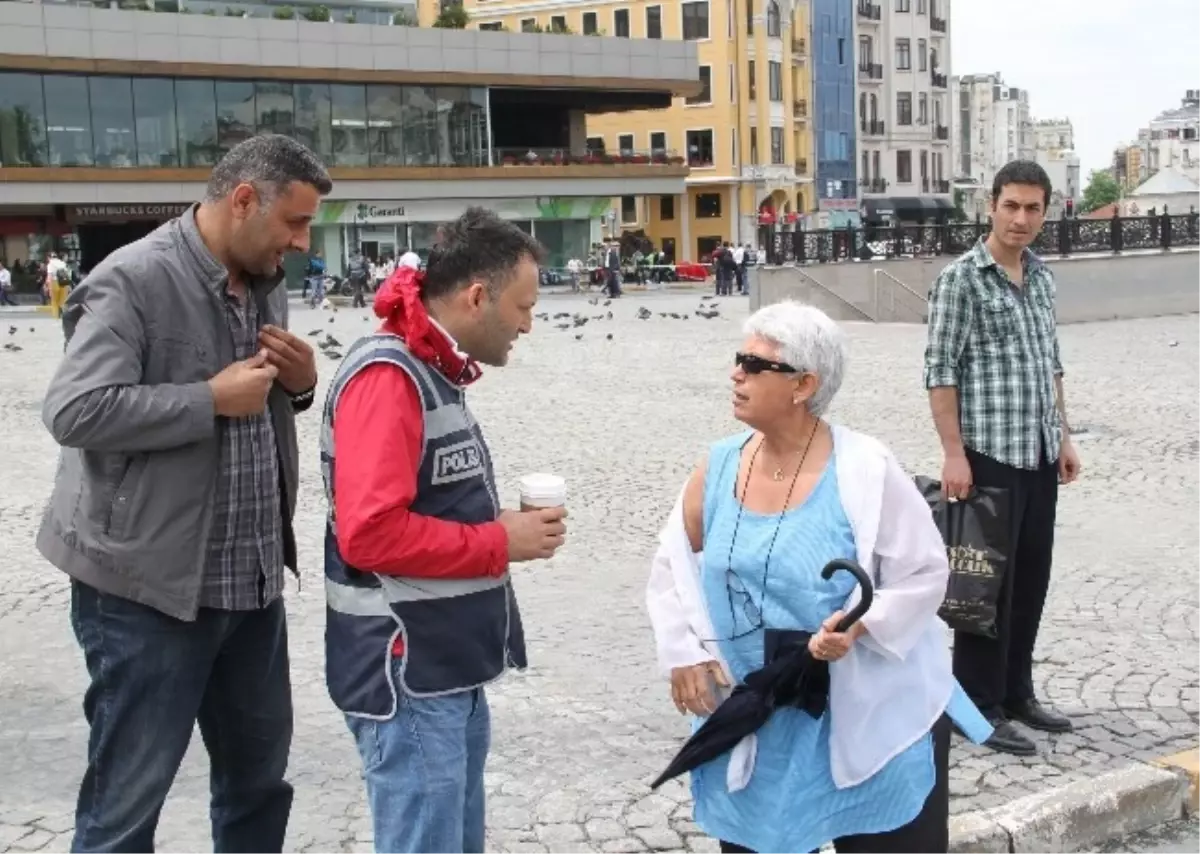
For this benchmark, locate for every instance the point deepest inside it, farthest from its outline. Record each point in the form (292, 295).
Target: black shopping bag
(978, 535)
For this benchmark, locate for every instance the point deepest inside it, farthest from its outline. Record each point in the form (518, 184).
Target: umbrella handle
(865, 586)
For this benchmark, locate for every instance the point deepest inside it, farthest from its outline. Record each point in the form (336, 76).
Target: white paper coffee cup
(542, 490)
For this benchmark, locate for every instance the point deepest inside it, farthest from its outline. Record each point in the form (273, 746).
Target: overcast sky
(1109, 65)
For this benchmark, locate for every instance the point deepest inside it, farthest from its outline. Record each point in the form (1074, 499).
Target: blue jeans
(424, 772)
(152, 679)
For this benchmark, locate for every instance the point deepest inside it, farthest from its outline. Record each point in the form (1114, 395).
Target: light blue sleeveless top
(791, 802)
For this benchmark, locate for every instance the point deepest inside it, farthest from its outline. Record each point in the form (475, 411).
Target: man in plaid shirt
(994, 376)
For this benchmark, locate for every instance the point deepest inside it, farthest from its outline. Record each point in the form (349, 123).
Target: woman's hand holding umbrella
(691, 687)
(829, 644)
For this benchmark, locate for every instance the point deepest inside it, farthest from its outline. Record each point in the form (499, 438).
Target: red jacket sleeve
(377, 434)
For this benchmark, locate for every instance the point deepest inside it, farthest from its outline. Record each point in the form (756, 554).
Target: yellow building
(747, 138)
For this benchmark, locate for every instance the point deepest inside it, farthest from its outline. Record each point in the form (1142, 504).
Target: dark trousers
(152, 679)
(360, 286)
(928, 833)
(614, 282)
(999, 672)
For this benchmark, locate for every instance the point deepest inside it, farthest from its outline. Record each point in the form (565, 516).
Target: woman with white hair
(742, 554)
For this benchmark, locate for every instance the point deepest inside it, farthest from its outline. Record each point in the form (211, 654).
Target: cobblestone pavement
(579, 735)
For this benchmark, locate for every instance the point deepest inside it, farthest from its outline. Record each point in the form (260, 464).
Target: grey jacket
(130, 405)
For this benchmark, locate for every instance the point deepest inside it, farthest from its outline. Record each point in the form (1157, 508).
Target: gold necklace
(777, 476)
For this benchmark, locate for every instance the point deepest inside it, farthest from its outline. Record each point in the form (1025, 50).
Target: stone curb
(1078, 816)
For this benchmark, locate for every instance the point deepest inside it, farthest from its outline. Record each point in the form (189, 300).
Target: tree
(316, 14)
(284, 13)
(1102, 189)
(452, 17)
(404, 18)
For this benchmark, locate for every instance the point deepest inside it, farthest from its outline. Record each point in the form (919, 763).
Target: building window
(924, 171)
(922, 7)
(68, 128)
(385, 109)
(777, 145)
(750, 78)
(529, 25)
(705, 96)
(708, 205)
(775, 81)
(595, 145)
(492, 27)
(866, 167)
(904, 108)
(154, 122)
(904, 167)
(923, 109)
(654, 22)
(732, 79)
(903, 55)
(629, 210)
(23, 120)
(196, 109)
(666, 208)
(700, 147)
(922, 55)
(590, 27)
(749, 17)
(865, 51)
(625, 143)
(753, 145)
(112, 120)
(773, 22)
(558, 23)
(841, 51)
(695, 20)
(658, 142)
(903, 5)
(621, 23)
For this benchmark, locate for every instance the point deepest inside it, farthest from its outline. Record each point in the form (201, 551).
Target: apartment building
(746, 136)
(1054, 141)
(903, 111)
(111, 119)
(1172, 140)
(994, 127)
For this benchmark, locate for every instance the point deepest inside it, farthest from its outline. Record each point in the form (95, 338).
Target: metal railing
(874, 185)
(938, 80)
(941, 132)
(1062, 237)
(513, 156)
(875, 127)
(938, 25)
(870, 11)
(870, 71)
(799, 47)
(941, 186)
(800, 109)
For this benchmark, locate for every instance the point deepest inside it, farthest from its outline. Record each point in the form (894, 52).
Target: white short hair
(809, 341)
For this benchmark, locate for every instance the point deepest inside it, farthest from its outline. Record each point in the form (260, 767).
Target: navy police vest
(458, 633)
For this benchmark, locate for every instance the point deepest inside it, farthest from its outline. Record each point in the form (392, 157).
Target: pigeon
(609, 336)
(608, 302)
(333, 354)
(330, 341)
(313, 333)
(562, 314)
(579, 336)
(610, 315)
(12, 330)
(31, 329)
(331, 320)
(644, 313)
(594, 301)
(1172, 343)
(543, 316)
(709, 315)
(579, 321)
(13, 347)
(562, 326)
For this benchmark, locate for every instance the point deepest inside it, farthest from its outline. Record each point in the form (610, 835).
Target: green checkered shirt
(998, 345)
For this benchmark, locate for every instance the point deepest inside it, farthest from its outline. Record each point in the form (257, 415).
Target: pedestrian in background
(421, 612)
(172, 507)
(6, 286)
(58, 284)
(995, 381)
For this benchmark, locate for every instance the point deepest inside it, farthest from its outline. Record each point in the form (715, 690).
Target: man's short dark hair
(478, 246)
(1021, 172)
(270, 162)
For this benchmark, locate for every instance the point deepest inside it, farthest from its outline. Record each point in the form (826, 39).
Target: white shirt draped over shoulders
(896, 681)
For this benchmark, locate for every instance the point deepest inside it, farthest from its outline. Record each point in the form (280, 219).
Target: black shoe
(1033, 714)
(1006, 738)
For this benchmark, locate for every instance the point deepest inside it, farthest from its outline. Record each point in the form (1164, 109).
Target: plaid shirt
(998, 344)
(243, 568)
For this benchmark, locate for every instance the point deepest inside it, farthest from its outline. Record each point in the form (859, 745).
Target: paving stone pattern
(579, 735)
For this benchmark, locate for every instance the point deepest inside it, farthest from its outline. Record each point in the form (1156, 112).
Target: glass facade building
(130, 122)
(833, 88)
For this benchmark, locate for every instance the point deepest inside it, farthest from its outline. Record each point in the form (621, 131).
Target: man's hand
(956, 477)
(292, 356)
(242, 388)
(691, 687)
(1069, 466)
(829, 644)
(534, 534)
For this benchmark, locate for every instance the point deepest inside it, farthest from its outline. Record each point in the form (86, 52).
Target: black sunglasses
(752, 364)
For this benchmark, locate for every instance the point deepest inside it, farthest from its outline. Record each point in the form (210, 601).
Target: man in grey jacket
(172, 507)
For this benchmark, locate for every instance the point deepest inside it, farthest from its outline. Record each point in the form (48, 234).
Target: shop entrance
(99, 240)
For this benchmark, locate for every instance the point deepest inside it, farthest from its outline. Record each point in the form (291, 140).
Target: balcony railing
(938, 25)
(564, 157)
(874, 185)
(800, 108)
(875, 127)
(872, 71)
(941, 132)
(941, 186)
(801, 165)
(938, 80)
(870, 11)
(799, 48)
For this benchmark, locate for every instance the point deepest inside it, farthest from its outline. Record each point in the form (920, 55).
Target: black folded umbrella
(791, 677)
